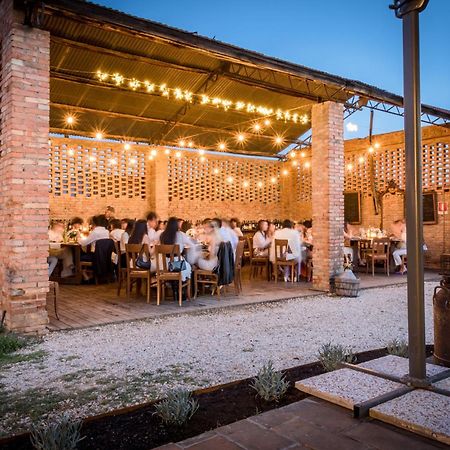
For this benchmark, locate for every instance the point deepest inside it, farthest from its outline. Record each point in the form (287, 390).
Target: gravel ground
(97, 369)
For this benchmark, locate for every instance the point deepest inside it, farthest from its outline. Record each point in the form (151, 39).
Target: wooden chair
(403, 266)
(202, 277)
(133, 252)
(257, 263)
(379, 252)
(165, 254)
(238, 267)
(281, 249)
(101, 266)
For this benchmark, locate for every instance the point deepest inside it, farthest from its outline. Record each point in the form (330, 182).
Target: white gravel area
(93, 370)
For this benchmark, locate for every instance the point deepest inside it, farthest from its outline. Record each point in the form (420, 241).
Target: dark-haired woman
(261, 240)
(172, 236)
(139, 236)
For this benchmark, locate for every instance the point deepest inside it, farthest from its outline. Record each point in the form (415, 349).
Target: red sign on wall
(443, 207)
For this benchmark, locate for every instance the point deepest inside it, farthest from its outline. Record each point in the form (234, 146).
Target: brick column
(161, 186)
(327, 191)
(24, 199)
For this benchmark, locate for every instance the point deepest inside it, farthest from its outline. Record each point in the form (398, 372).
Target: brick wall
(327, 191)
(24, 164)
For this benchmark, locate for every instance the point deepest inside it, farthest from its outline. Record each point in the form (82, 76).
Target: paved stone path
(310, 423)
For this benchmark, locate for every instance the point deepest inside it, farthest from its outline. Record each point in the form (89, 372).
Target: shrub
(330, 355)
(269, 384)
(397, 347)
(62, 433)
(177, 408)
(10, 342)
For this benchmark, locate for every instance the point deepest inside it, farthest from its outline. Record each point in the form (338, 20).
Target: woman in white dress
(213, 238)
(261, 240)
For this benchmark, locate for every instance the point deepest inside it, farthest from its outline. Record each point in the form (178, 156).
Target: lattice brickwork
(91, 169)
(389, 164)
(222, 179)
(302, 179)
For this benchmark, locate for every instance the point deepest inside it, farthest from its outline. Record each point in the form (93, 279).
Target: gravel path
(97, 369)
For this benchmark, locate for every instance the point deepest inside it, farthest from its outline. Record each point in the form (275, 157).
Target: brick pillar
(327, 191)
(161, 187)
(24, 199)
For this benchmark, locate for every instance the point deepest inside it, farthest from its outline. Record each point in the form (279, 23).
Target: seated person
(401, 247)
(261, 240)
(234, 225)
(140, 236)
(294, 243)
(109, 213)
(56, 237)
(226, 232)
(75, 225)
(99, 231)
(116, 230)
(213, 237)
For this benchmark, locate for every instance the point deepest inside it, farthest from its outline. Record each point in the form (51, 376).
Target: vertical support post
(327, 180)
(414, 202)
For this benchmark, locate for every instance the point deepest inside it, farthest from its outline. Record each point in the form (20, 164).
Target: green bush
(62, 433)
(397, 347)
(10, 343)
(177, 408)
(331, 355)
(269, 384)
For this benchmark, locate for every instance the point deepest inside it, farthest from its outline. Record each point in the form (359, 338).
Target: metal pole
(414, 207)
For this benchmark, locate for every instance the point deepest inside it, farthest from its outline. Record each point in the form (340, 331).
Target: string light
(267, 122)
(151, 157)
(240, 137)
(302, 154)
(371, 149)
(273, 180)
(201, 152)
(190, 144)
(257, 127)
(285, 172)
(260, 184)
(292, 154)
(295, 163)
(178, 94)
(361, 159)
(127, 146)
(216, 171)
(202, 159)
(99, 135)
(177, 154)
(70, 152)
(92, 158)
(222, 146)
(133, 161)
(166, 151)
(278, 140)
(181, 143)
(230, 180)
(377, 145)
(307, 165)
(153, 152)
(70, 119)
(246, 184)
(349, 166)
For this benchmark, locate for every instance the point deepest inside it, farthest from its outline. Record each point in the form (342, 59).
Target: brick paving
(310, 423)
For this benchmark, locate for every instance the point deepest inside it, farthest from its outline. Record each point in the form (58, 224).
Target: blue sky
(358, 39)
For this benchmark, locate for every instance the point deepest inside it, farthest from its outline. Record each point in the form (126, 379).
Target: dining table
(77, 276)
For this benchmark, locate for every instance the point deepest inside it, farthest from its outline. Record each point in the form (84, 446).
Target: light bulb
(230, 180)
(240, 137)
(154, 152)
(361, 159)
(273, 180)
(295, 163)
(201, 152)
(278, 140)
(70, 152)
(245, 184)
(133, 161)
(190, 144)
(257, 127)
(377, 145)
(259, 184)
(222, 146)
(349, 166)
(166, 151)
(127, 146)
(285, 172)
(307, 165)
(202, 159)
(216, 170)
(267, 122)
(181, 143)
(178, 154)
(99, 135)
(302, 154)
(70, 120)
(292, 154)
(371, 149)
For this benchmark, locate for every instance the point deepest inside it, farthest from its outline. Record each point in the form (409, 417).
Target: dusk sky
(358, 39)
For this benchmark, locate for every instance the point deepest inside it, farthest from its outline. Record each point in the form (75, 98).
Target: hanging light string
(118, 80)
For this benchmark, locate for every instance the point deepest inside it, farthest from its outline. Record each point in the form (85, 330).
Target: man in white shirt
(152, 224)
(99, 231)
(294, 241)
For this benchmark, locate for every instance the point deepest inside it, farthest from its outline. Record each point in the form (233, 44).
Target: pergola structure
(75, 68)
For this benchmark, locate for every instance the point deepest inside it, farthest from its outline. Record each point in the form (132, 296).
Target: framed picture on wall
(430, 213)
(352, 207)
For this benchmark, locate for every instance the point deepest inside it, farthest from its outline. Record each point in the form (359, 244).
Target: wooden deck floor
(90, 305)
